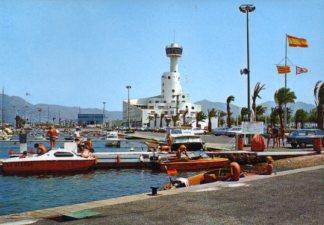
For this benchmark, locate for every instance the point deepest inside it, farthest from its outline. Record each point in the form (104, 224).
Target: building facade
(172, 107)
(90, 119)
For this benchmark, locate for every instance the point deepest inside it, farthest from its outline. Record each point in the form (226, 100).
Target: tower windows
(183, 96)
(173, 90)
(192, 107)
(169, 77)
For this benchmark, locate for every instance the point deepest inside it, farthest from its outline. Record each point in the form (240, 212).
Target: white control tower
(170, 81)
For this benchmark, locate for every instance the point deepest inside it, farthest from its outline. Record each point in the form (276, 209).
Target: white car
(198, 131)
(233, 131)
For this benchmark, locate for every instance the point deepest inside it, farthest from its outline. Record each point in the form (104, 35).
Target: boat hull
(50, 166)
(194, 165)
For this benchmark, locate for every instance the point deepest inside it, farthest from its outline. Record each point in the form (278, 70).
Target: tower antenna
(173, 35)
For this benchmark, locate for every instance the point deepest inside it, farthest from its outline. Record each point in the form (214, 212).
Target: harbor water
(24, 193)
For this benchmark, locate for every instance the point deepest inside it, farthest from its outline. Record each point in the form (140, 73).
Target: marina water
(25, 193)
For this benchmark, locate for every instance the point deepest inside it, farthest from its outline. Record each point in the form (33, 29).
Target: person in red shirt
(52, 134)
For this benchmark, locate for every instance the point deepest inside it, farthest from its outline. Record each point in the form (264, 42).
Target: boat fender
(235, 171)
(181, 182)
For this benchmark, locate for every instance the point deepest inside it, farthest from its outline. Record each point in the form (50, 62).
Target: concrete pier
(276, 199)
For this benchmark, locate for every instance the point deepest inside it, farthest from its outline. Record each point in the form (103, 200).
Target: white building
(158, 111)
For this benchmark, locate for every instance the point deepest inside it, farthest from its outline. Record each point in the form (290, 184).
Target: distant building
(158, 111)
(90, 119)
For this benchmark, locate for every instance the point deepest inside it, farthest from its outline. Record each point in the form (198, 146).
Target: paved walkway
(290, 197)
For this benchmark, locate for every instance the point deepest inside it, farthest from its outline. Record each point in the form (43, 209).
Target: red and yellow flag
(297, 42)
(283, 69)
(300, 70)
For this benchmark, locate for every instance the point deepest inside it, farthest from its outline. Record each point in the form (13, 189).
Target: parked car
(303, 137)
(198, 131)
(220, 131)
(231, 132)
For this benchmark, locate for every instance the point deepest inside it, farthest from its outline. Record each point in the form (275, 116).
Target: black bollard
(154, 190)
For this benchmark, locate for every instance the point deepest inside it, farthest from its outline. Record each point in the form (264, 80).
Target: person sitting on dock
(40, 148)
(270, 166)
(23, 155)
(88, 145)
(180, 150)
(52, 134)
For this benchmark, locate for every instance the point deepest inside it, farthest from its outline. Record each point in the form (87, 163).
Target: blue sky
(80, 53)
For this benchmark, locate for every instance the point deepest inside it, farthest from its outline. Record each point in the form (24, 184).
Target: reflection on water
(33, 192)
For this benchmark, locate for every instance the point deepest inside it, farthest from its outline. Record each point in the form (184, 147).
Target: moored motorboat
(54, 161)
(193, 164)
(177, 137)
(231, 172)
(112, 139)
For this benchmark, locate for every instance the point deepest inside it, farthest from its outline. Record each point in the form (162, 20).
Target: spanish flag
(283, 69)
(297, 42)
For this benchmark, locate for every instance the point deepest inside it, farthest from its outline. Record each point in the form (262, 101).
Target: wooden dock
(139, 160)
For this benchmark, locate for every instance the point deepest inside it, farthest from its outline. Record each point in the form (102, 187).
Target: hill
(206, 104)
(14, 105)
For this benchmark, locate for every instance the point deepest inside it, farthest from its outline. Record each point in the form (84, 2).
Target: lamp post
(247, 8)
(128, 102)
(103, 112)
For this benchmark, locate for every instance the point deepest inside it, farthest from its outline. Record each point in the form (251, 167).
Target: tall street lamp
(247, 8)
(104, 112)
(128, 102)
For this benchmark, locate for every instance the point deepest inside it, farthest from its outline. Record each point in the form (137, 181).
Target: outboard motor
(180, 182)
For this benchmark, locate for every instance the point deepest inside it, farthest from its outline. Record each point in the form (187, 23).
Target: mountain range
(207, 105)
(14, 105)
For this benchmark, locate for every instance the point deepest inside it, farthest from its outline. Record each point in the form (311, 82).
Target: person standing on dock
(269, 134)
(52, 134)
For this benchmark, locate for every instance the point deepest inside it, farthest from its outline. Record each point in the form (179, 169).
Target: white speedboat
(112, 139)
(54, 161)
(185, 137)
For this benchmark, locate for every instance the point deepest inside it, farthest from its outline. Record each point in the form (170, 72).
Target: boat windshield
(186, 139)
(63, 154)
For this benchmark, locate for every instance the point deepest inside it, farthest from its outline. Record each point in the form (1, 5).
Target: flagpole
(285, 112)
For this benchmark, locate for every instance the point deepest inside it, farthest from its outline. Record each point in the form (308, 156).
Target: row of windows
(169, 77)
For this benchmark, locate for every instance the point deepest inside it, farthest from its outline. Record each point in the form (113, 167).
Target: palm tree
(319, 101)
(200, 116)
(150, 118)
(282, 97)
(301, 117)
(161, 119)
(228, 108)
(312, 116)
(211, 114)
(256, 94)
(175, 119)
(155, 119)
(274, 116)
(184, 116)
(244, 113)
(221, 121)
(260, 110)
